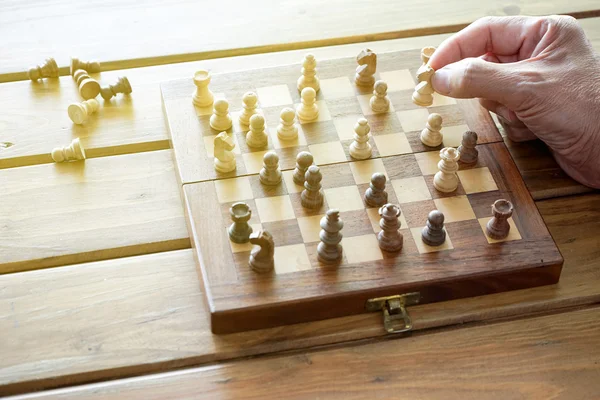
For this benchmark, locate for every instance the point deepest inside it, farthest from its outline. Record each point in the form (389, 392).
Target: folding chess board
(301, 289)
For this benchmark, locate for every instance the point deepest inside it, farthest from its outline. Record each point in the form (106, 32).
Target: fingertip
(441, 81)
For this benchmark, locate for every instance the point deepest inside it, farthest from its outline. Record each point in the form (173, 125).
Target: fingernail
(441, 81)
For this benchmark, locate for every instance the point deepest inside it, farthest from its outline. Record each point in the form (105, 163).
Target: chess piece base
(391, 245)
(364, 81)
(269, 182)
(307, 114)
(423, 100)
(375, 200)
(497, 230)
(329, 254)
(287, 133)
(220, 123)
(433, 238)
(203, 101)
(360, 153)
(431, 139)
(379, 106)
(261, 266)
(225, 166)
(239, 233)
(311, 202)
(446, 184)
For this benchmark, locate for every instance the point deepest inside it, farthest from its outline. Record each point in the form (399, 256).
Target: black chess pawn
(375, 195)
(239, 231)
(312, 195)
(390, 239)
(434, 234)
(498, 227)
(303, 160)
(468, 152)
(329, 249)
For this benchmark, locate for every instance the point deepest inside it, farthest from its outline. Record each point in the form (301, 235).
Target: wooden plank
(34, 31)
(146, 314)
(535, 358)
(57, 214)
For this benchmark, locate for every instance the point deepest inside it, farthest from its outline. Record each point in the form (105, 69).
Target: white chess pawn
(72, 152)
(203, 97)
(360, 148)
(224, 157)
(257, 137)
(309, 74)
(250, 100)
(287, 128)
(308, 110)
(379, 101)
(220, 120)
(431, 136)
(270, 174)
(47, 70)
(79, 112)
(445, 180)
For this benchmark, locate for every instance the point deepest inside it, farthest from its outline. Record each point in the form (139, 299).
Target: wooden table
(107, 287)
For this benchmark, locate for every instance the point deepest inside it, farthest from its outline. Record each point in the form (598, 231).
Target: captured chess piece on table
(220, 120)
(309, 74)
(431, 136)
(367, 66)
(47, 70)
(89, 66)
(122, 86)
(79, 112)
(88, 87)
(72, 152)
(329, 249)
(224, 157)
(202, 97)
(498, 227)
(262, 256)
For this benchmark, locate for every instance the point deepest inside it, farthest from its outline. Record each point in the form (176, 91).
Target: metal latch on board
(395, 316)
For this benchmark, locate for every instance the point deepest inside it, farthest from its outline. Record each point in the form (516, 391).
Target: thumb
(474, 77)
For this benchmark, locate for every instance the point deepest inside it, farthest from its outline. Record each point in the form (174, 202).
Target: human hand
(540, 75)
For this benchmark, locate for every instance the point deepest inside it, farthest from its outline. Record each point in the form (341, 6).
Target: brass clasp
(395, 316)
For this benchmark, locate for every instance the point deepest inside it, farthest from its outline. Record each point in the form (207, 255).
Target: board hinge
(395, 315)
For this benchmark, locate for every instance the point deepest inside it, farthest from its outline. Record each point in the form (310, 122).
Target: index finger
(503, 36)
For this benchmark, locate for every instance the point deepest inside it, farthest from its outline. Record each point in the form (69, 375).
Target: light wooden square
(513, 233)
(365, 105)
(413, 120)
(344, 126)
(337, 88)
(360, 249)
(254, 161)
(428, 162)
(234, 189)
(425, 248)
(292, 258)
(272, 96)
(327, 153)
(411, 189)
(288, 178)
(455, 209)
(324, 114)
(209, 145)
(363, 170)
(280, 144)
(208, 110)
(374, 217)
(477, 180)
(441, 100)
(310, 228)
(277, 208)
(241, 247)
(398, 80)
(392, 144)
(346, 198)
(453, 135)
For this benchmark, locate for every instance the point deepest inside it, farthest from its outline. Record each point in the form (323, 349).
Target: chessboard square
(254, 161)
(374, 217)
(320, 132)
(327, 153)
(233, 189)
(324, 114)
(337, 88)
(344, 126)
(292, 187)
(392, 144)
(364, 248)
(271, 96)
(398, 80)
(425, 248)
(209, 145)
(363, 170)
(260, 190)
(477, 180)
(455, 209)
(513, 233)
(413, 120)
(278, 208)
(240, 247)
(346, 198)
(300, 140)
(208, 110)
(310, 228)
(411, 189)
(428, 162)
(441, 100)
(453, 135)
(292, 258)
(365, 105)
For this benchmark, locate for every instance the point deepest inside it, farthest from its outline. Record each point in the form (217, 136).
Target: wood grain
(130, 38)
(57, 214)
(144, 314)
(536, 358)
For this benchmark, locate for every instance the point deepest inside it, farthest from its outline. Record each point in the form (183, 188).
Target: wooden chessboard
(301, 289)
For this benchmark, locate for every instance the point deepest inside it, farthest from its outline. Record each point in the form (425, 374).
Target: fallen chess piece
(89, 66)
(47, 70)
(72, 152)
(122, 86)
(88, 87)
(79, 112)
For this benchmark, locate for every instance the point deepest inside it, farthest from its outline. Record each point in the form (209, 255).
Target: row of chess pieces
(89, 88)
